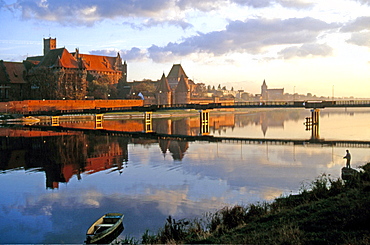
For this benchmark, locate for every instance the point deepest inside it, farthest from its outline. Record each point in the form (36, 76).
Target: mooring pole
(98, 121)
(204, 122)
(315, 133)
(148, 122)
(55, 121)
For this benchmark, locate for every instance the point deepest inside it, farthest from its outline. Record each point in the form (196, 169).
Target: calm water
(55, 184)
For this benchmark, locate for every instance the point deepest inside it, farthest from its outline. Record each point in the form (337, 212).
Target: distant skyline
(319, 47)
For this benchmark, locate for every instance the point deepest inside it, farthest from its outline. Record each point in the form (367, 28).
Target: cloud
(359, 24)
(133, 54)
(104, 52)
(363, 1)
(306, 50)
(252, 36)
(130, 55)
(360, 31)
(360, 39)
(86, 12)
(297, 4)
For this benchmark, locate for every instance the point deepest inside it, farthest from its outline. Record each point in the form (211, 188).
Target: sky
(304, 46)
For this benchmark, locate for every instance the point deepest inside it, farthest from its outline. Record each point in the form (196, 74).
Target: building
(13, 83)
(177, 88)
(271, 94)
(60, 74)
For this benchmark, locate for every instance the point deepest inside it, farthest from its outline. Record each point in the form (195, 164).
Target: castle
(58, 74)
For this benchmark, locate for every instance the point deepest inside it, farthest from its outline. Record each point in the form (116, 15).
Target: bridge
(312, 123)
(210, 138)
(309, 104)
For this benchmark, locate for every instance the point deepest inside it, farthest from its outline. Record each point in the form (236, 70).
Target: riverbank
(327, 212)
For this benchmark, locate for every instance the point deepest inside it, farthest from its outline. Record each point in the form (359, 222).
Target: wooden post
(98, 121)
(204, 122)
(148, 122)
(55, 121)
(315, 133)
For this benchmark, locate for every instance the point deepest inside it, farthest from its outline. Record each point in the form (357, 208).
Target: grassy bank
(327, 212)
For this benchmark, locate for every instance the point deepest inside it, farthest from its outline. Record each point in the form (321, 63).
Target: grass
(329, 211)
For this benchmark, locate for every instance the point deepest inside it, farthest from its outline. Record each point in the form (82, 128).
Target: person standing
(348, 157)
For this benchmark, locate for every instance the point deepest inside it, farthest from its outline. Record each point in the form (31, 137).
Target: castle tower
(124, 72)
(49, 44)
(163, 92)
(175, 74)
(182, 92)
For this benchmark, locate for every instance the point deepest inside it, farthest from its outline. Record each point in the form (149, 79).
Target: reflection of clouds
(45, 203)
(261, 167)
(70, 212)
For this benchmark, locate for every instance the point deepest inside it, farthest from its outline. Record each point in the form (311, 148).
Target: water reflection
(87, 174)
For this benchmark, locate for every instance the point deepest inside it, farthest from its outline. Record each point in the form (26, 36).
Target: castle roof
(12, 72)
(59, 58)
(98, 63)
(182, 86)
(176, 72)
(163, 85)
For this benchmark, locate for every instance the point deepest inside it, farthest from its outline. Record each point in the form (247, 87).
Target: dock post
(148, 122)
(98, 121)
(315, 133)
(55, 121)
(204, 122)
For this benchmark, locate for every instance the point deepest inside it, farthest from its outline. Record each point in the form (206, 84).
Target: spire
(182, 86)
(163, 86)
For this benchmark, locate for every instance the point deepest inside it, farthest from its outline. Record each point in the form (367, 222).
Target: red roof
(98, 63)
(59, 58)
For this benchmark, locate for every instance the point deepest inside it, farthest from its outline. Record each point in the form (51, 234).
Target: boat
(105, 229)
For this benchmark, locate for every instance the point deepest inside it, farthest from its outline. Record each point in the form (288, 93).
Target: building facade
(271, 94)
(60, 74)
(13, 81)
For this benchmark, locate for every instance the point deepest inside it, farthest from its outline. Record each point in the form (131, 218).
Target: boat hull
(105, 229)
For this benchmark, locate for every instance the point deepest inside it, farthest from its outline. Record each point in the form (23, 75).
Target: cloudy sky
(316, 46)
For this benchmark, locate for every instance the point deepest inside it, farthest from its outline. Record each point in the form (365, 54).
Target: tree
(99, 87)
(57, 83)
(43, 84)
(144, 87)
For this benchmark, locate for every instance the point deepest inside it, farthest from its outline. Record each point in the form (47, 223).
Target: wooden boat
(105, 229)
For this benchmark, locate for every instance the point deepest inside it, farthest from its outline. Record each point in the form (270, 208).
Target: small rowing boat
(105, 229)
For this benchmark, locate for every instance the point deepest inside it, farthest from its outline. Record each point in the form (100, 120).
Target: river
(55, 184)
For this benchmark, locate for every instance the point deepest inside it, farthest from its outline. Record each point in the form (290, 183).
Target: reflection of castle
(74, 152)
(67, 155)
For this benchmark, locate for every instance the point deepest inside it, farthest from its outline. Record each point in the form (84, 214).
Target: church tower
(264, 91)
(49, 44)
